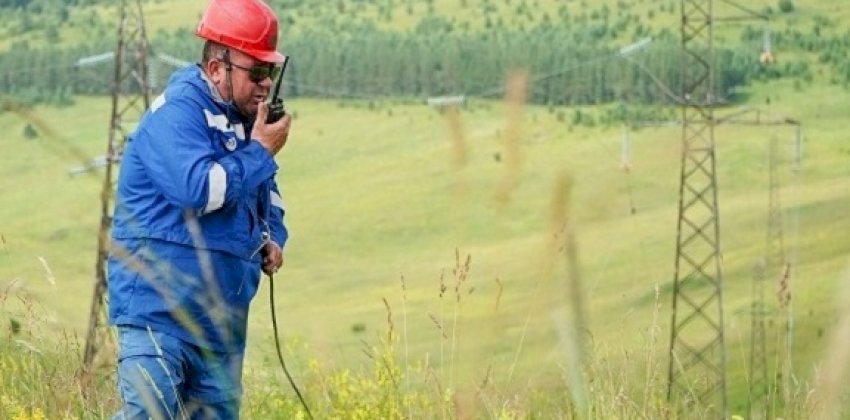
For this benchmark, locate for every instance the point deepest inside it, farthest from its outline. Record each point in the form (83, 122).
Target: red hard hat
(249, 26)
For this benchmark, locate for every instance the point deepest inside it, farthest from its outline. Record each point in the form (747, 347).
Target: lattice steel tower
(697, 369)
(130, 97)
(772, 268)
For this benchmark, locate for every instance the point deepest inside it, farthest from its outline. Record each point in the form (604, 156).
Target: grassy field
(382, 206)
(388, 200)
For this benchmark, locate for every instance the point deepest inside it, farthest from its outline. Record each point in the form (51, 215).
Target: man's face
(247, 94)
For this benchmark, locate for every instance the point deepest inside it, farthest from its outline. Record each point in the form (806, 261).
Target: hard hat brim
(267, 56)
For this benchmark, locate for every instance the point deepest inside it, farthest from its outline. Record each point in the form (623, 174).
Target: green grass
(374, 195)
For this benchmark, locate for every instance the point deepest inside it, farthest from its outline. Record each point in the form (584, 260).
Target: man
(198, 214)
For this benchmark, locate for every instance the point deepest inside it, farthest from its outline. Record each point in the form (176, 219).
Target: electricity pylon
(697, 365)
(774, 267)
(130, 97)
(785, 281)
(768, 268)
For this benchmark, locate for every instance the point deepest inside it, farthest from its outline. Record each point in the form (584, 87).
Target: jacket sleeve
(178, 155)
(279, 233)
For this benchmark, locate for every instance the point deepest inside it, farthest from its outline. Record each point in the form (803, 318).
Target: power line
(624, 52)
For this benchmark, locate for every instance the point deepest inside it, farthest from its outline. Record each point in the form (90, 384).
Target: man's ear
(215, 71)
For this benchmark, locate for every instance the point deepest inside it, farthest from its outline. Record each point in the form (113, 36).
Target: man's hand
(272, 258)
(271, 136)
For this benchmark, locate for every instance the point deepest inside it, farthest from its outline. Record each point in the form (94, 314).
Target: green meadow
(381, 205)
(438, 257)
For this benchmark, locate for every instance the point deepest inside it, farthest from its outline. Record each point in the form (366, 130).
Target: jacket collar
(213, 91)
(228, 107)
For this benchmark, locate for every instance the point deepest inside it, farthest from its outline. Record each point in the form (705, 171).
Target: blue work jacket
(195, 202)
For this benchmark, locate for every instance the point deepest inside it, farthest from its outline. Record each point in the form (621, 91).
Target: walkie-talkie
(276, 108)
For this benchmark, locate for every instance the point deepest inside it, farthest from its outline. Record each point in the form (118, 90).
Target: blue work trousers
(162, 377)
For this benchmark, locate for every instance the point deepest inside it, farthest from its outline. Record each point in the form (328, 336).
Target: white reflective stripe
(158, 103)
(217, 188)
(239, 129)
(277, 201)
(218, 121)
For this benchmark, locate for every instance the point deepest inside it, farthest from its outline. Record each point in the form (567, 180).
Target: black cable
(280, 354)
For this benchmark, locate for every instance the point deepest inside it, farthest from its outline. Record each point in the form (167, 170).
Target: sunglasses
(259, 72)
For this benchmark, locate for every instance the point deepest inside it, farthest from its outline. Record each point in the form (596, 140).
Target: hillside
(387, 198)
(364, 49)
(74, 20)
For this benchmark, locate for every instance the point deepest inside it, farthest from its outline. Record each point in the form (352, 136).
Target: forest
(573, 55)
